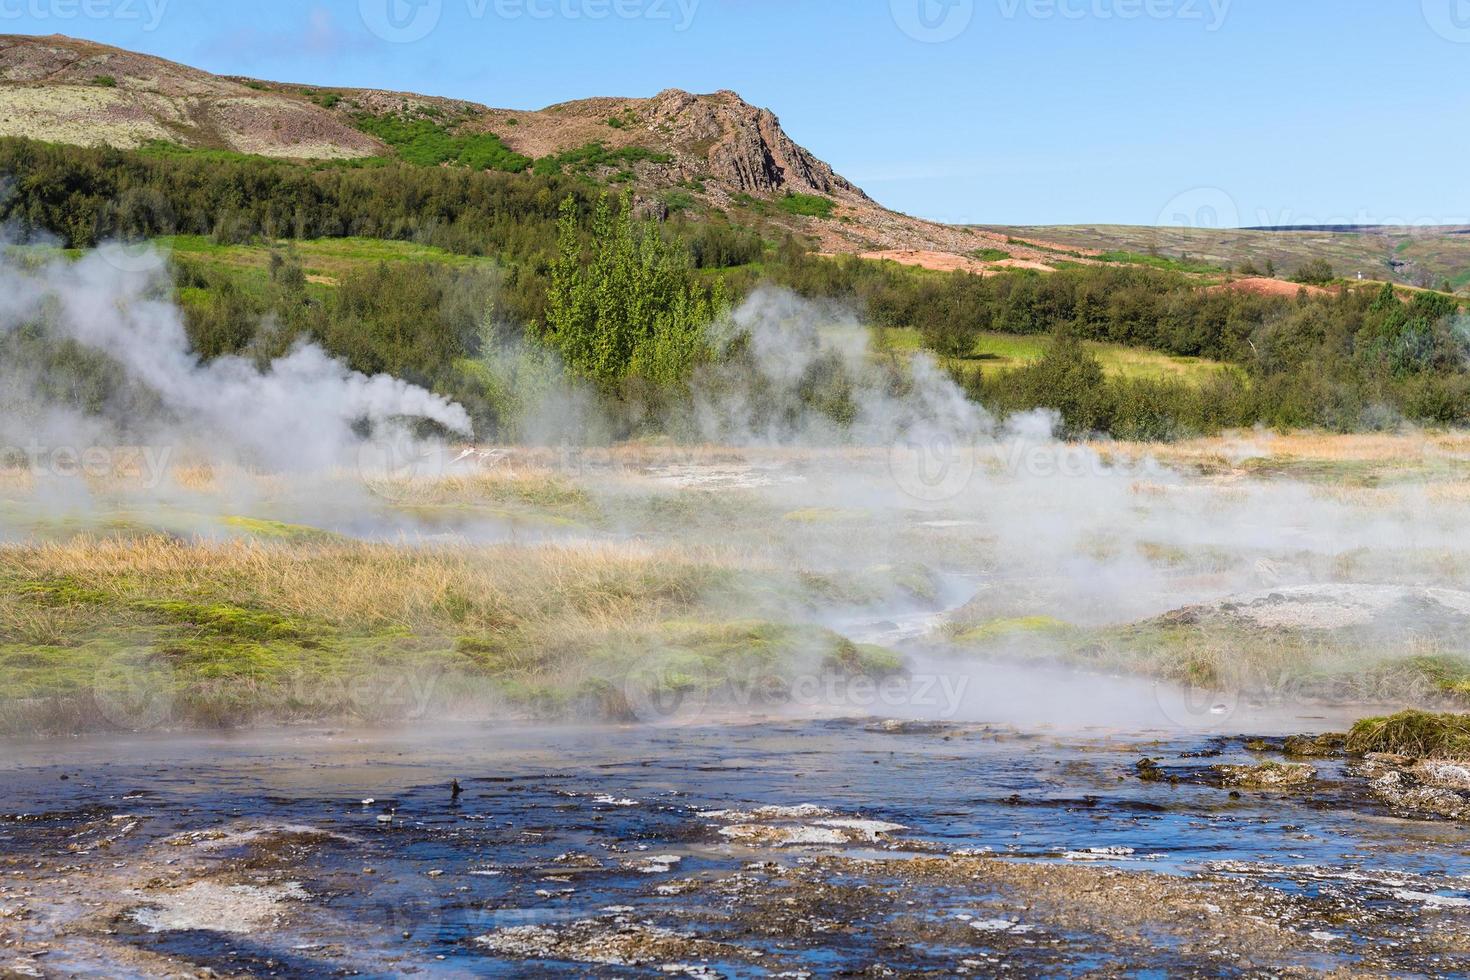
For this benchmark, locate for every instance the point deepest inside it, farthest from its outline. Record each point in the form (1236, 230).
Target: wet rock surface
(769, 849)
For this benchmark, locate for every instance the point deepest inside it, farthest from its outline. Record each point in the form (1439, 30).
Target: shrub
(428, 143)
(1414, 733)
(1317, 272)
(806, 205)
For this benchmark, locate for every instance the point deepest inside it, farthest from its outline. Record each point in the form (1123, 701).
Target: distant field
(1001, 351)
(1409, 256)
(324, 260)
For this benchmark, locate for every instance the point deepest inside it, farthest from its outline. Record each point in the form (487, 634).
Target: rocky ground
(525, 873)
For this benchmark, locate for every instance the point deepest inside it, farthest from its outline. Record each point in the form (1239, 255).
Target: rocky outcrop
(745, 147)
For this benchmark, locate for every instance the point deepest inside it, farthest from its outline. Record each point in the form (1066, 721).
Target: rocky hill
(69, 91)
(698, 151)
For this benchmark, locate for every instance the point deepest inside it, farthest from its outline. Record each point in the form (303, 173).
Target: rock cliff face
(747, 150)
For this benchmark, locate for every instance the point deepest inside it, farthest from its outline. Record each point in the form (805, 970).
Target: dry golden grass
(1227, 450)
(362, 585)
(16, 480)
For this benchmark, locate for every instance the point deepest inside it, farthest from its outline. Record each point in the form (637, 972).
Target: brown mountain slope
(713, 151)
(69, 91)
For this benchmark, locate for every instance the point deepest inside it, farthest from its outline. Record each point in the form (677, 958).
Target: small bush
(105, 81)
(1418, 734)
(807, 205)
(1318, 272)
(428, 143)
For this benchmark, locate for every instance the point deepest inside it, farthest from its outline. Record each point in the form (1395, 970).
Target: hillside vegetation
(414, 270)
(606, 238)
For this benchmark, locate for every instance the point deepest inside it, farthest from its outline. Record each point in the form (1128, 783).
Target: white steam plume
(299, 413)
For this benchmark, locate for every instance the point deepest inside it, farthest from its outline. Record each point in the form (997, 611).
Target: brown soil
(1262, 286)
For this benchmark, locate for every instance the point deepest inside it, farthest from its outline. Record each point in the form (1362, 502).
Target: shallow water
(622, 795)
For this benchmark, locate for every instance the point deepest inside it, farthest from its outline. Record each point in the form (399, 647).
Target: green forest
(546, 259)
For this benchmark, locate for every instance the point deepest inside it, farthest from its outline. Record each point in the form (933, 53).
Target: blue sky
(999, 111)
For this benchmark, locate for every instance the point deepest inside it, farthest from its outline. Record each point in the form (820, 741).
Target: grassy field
(1002, 351)
(324, 260)
(145, 617)
(1434, 253)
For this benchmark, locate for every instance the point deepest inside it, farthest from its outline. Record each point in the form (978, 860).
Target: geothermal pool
(770, 847)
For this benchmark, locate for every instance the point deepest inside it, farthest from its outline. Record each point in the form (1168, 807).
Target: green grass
(168, 148)
(302, 625)
(276, 530)
(324, 260)
(1160, 262)
(1417, 734)
(1004, 351)
(1440, 255)
(991, 254)
(1015, 628)
(427, 142)
(806, 205)
(595, 154)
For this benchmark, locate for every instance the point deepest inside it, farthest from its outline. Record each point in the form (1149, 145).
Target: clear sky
(999, 111)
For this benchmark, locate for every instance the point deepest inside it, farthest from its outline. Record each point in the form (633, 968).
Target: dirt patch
(1262, 286)
(949, 262)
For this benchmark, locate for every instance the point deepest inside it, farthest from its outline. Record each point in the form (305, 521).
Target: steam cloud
(305, 411)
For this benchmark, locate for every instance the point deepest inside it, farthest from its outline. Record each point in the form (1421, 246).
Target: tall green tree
(632, 306)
